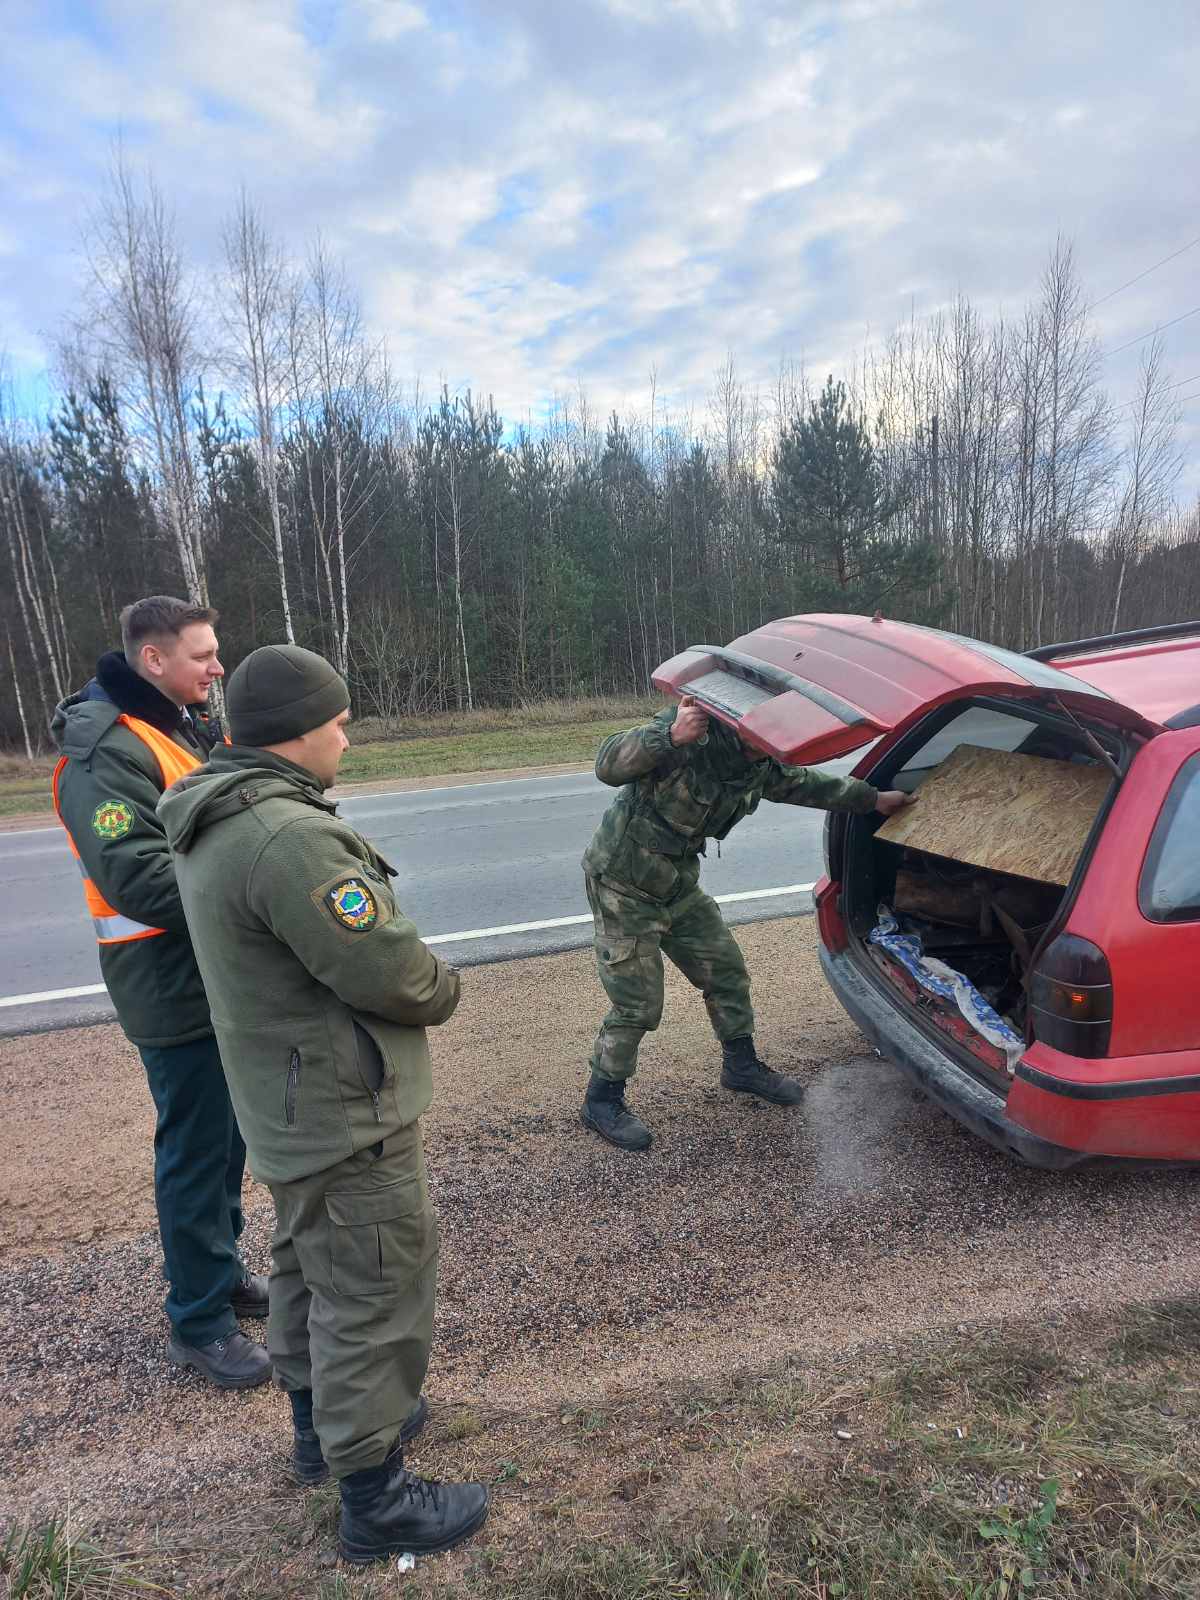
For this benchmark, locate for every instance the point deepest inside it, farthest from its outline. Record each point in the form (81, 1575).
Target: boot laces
(423, 1489)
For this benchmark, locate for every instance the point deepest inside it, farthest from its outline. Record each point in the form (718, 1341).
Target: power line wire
(1162, 327)
(1146, 274)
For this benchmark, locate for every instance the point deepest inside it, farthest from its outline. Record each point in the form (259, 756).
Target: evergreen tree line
(245, 442)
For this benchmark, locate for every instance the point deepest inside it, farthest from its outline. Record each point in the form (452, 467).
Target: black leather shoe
(249, 1297)
(233, 1362)
(605, 1112)
(409, 1513)
(309, 1465)
(744, 1073)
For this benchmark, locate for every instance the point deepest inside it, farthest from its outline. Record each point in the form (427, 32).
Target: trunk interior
(972, 877)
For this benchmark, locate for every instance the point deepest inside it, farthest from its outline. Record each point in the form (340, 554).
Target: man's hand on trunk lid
(892, 800)
(691, 722)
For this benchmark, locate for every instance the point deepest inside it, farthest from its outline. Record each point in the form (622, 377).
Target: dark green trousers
(633, 933)
(353, 1280)
(199, 1159)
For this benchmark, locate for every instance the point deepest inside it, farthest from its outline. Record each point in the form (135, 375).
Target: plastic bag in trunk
(936, 978)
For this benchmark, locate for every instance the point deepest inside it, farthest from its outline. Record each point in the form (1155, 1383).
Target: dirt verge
(574, 1280)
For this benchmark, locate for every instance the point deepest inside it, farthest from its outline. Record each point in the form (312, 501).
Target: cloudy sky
(542, 193)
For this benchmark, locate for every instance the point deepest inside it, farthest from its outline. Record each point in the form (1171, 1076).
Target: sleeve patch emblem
(353, 904)
(112, 819)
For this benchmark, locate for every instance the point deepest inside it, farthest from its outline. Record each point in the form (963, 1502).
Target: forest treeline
(245, 440)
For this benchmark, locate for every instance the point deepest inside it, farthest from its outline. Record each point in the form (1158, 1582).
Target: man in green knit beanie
(321, 992)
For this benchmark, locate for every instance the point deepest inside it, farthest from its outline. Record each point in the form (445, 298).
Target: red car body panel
(829, 684)
(855, 678)
(1159, 680)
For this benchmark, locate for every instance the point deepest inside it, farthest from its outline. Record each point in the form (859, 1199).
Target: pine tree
(834, 508)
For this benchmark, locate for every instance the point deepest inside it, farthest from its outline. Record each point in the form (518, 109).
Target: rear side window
(1170, 886)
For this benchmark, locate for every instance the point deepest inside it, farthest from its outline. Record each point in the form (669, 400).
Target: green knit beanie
(280, 692)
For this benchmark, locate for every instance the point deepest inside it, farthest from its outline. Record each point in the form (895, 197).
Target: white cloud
(529, 195)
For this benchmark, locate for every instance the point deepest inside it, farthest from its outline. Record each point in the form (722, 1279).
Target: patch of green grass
(1035, 1463)
(985, 1373)
(49, 1562)
(544, 734)
(1005, 1467)
(555, 745)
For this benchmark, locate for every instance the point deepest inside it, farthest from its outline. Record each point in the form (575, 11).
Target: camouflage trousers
(632, 936)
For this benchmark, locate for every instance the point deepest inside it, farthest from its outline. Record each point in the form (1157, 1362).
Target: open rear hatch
(949, 901)
(808, 689)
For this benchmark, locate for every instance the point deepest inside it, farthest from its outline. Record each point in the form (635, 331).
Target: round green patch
(353, 904)
(112, 819)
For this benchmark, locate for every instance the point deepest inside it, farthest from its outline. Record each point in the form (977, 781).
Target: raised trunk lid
(807, 689)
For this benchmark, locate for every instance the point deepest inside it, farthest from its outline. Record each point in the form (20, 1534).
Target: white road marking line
(46, 996)
(367, 794)
(571, 922)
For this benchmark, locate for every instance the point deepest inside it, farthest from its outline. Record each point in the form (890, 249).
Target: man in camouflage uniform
(683, 780)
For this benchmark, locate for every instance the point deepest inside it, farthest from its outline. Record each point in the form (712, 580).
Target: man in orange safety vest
(137, 726)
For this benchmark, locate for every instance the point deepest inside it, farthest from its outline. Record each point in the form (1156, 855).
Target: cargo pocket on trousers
(614, 955)
(379, 1238)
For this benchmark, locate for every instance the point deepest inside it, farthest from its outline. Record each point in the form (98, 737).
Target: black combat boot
(387, 1510)
(233, 1362)
(249, 1297)
(605, 1112)
(744, 1073)
(308, 1463)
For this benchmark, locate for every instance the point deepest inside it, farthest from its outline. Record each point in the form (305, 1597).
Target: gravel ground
(570, 1274)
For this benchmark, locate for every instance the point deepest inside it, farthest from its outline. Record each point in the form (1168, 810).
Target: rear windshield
(994, 729)
(1170, 886)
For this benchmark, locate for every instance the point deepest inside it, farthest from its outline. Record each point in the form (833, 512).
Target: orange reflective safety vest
(174, 762)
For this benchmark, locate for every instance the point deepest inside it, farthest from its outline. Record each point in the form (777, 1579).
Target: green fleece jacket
(320, 987)
(673, 798)
(154, 983)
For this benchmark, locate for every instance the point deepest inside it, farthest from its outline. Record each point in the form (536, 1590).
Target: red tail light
(1071, 997)
(827, 899)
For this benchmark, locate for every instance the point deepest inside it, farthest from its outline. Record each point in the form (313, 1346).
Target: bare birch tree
(1151, 466)
(255, 318)
(145, 324)
(35, 596)
(339, 401)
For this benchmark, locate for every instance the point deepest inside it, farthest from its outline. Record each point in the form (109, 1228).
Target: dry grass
(1016, 1462)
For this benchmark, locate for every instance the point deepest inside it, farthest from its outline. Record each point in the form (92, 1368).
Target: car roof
(1158, 678)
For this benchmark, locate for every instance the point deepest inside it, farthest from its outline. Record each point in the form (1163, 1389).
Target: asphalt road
(475, 863)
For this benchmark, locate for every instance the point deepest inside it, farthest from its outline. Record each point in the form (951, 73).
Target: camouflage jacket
(675, 798)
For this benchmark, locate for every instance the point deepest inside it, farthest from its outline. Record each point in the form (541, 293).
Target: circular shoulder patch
(353, 904)
(112, 819)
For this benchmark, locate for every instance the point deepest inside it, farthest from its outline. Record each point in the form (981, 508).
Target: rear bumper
(933, 1071)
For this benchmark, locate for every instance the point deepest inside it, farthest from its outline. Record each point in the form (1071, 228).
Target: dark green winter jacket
(320, 987)
(154, 983)
(676, 797)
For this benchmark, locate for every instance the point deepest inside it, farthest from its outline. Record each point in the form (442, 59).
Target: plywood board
(1004, 811)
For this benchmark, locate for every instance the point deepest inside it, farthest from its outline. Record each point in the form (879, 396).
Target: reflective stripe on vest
(173, 763)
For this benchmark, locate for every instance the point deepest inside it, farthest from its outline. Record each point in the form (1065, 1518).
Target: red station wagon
(1052, 860)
